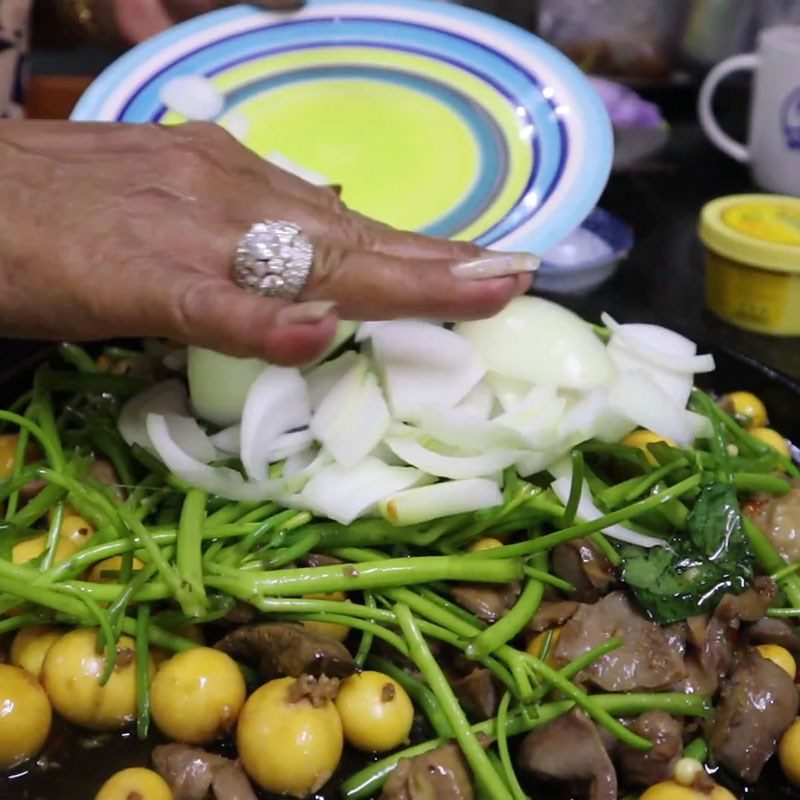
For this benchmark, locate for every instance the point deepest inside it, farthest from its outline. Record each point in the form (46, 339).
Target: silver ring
(273, 259)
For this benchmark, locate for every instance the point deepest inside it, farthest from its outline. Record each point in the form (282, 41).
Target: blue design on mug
(790, 120)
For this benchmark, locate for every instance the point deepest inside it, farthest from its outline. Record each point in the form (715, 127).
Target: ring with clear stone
(274, 259)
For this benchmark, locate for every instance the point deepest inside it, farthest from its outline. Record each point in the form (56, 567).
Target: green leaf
(692, 573)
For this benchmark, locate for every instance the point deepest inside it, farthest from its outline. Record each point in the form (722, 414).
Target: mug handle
(705, 109)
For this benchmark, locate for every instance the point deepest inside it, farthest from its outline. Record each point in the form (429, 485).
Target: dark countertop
(663, 281)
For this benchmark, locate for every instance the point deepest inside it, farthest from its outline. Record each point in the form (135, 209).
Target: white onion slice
(345, 494)
(426, 503)
(536, 417)
(591, 416)
(353, 418)
(424, 364)
(228, 440)
(323, 378)
(175, 360)
(454, 467)
(220, 481)
(538, 341)
(458, 428)
(191, 438)
(164, 398)
(678, 385)
(276, 403)
(218, 384)
(701, 425)
(657, 346)
(298, 170)
(635, 396)
(538, 460)
(479, 402)
(193, 97)
(588, 512)
(508, 391)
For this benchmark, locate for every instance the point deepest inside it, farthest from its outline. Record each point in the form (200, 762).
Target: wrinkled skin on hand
(127, 230)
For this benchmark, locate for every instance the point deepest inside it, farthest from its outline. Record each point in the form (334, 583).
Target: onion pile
(416, 421)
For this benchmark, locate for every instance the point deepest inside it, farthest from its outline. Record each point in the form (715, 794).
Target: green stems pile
(186, 557)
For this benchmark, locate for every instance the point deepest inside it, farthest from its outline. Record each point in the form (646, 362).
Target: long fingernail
(496, 266)
(304, 313)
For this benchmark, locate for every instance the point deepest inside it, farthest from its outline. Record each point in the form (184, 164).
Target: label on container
(755, 299)
(773, 222)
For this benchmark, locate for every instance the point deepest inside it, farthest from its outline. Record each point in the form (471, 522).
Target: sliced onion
(659, 346)
(592, 416)
(345, 330)
(678, 385)
(635, 396)
(588, 512)
(508, 391)
(219, 481)
(218, 384)
(298, 462)
(164, 398)
(454, 467)
(426, 503)
(539, 460)
(193, 97)
(345, 494)
(479, 402)
(228, 440)
(541, 342)
(458, 428)
(276, 403)
(536, 417)
(424, 364)
(191, 438)
(701, 425)
(353, 418)
(323, 378)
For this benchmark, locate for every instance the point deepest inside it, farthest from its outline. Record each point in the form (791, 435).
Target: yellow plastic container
(753, 261)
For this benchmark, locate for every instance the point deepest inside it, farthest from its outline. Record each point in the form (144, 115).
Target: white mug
(773, 151)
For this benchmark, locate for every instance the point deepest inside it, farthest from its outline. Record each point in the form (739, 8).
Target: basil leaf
(692, 573)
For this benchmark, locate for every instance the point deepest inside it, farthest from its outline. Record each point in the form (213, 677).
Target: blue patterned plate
(431, 116)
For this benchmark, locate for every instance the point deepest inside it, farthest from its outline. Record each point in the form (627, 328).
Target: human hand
(138, 20)
(129, 230)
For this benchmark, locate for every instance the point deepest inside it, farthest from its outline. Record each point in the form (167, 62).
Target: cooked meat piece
(241, 614)
(676, 636)
(191, 773)
(712, 637)
(696, 680)
(773, 631)
(779, 520)
(757, 705)
(644, 662)
(656, 765)
(551, 615)
(569, 749)
(750, 606)
(477, 693)
(283, 648)
(439, 774)
(320, 560)
(583, 565)
(487, 603)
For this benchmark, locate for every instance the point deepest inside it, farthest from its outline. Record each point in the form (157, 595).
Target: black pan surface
(83, 763)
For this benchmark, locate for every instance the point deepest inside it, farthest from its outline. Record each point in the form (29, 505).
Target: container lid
(758, 229)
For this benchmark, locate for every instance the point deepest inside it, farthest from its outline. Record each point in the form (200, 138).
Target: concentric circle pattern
(432, 117)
